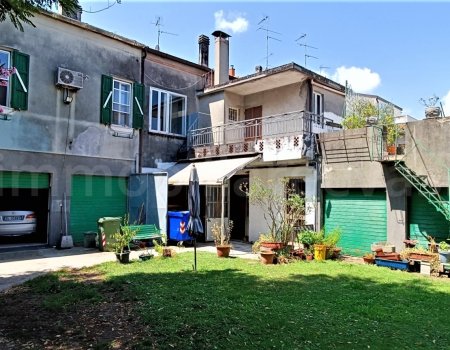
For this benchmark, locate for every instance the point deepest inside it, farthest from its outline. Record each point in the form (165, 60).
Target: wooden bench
(145, 232)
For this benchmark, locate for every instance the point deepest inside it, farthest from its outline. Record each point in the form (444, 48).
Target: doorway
(253, 127)
(239, 207)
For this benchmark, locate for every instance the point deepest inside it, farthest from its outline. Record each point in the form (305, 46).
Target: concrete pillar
(396, 197)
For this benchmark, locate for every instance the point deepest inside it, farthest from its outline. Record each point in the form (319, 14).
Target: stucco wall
(257, 224)
(212, 109)
(44, 126)
(285, 99)
(347, 160)
(427, 144)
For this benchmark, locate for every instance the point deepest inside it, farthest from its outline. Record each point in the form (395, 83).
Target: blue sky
(398, 51)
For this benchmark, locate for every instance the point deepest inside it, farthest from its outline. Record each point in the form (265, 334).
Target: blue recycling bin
(178, 221)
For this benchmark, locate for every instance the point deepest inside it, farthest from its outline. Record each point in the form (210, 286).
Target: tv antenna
(321, 68)
(309, 56)
(264, 25)
(305, 45)
(159, 24)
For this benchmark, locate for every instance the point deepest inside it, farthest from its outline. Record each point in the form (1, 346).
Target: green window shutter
(138, 105)
(106, 100)
(19, 95)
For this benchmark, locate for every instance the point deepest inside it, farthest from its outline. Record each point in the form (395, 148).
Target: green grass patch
(241, 304)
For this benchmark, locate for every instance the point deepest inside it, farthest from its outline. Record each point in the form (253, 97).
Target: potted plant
(282, 209)
(331, 240)
(161, 247)
(309, 255)
(222, 238)
(431, 110)
(444, 252)
(122, 238)
(267, 256)
(369, 258)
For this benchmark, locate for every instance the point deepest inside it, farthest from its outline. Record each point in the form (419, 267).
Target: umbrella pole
(195, 254)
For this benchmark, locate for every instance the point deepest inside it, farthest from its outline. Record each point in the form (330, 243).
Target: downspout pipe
(141, 131)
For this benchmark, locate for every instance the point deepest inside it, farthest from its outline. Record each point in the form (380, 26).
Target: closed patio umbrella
(195, 226)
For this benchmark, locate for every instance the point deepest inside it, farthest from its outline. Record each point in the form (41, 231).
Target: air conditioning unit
(69, 79)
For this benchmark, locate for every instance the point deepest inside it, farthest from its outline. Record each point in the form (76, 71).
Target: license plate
(13, 218)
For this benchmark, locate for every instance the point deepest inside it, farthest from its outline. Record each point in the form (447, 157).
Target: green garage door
(94, 197)
(13, 179)
(360, 215)
(425, 220)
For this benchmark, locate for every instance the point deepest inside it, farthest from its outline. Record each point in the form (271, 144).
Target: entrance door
(253, 130)
(238, 207)
(214, 208)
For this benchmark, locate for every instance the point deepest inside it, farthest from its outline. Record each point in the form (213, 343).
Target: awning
(212, 172)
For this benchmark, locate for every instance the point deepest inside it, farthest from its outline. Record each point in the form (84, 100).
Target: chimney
(232, 72)
(203, 50)
(221, 57)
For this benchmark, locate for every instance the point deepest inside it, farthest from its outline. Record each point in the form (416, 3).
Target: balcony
(277, 137)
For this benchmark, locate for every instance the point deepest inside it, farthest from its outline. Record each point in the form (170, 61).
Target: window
(14, 88)
(121, 103)
(318, 106)
(5, 63)
(233, 114)
(167, 112)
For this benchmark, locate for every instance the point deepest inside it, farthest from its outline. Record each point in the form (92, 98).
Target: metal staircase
(424, 188)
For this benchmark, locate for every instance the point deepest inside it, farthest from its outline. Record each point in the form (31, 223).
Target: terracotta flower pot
(370, 261)
(223, 251)
(167, 252)
(267, 257)
(273, 245)
(391, 149)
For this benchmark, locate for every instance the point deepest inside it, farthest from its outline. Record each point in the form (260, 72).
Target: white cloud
(234, 22)
(446, 103)
(360, 79)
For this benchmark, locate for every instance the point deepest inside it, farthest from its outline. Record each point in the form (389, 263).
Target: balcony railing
(294, 123)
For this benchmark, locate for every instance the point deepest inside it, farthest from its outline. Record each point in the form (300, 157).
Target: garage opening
(24, 192)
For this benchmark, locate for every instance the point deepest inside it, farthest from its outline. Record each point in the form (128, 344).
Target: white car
(17, 223)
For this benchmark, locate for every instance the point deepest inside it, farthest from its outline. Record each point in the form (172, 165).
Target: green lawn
(240, 304)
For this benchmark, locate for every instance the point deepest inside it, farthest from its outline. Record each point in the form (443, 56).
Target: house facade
(390, 198)
(86, 109)
(258, 126)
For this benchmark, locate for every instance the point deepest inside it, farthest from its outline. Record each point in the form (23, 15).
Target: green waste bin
(107, 226)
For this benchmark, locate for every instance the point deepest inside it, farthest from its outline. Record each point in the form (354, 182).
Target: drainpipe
(141, 131)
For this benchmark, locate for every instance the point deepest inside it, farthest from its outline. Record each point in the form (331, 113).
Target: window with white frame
(318, 105)
(5, 63)
(233, 114)
(121, 105)
(167, 112)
